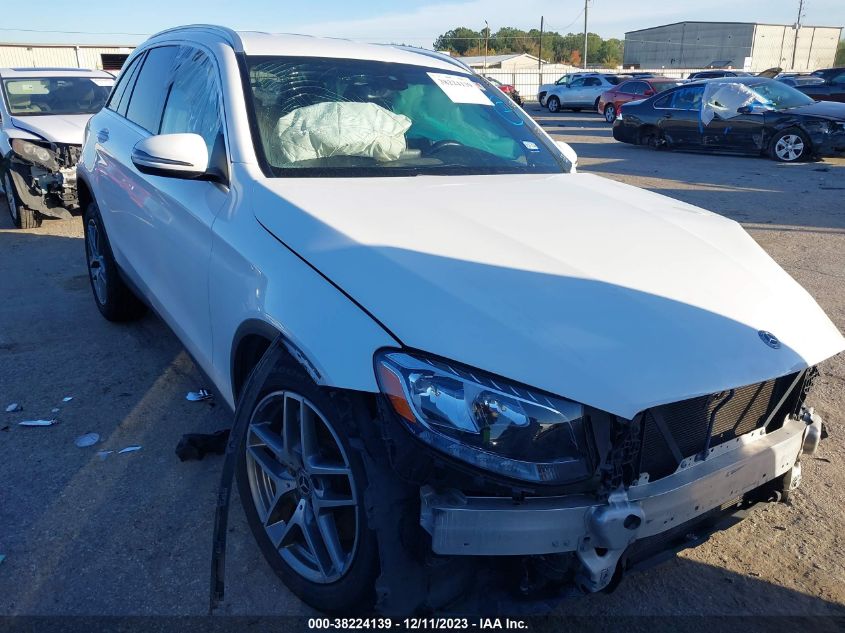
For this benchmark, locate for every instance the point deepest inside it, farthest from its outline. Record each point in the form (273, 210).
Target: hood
(57, 128)
(827, 109)
(610, 295)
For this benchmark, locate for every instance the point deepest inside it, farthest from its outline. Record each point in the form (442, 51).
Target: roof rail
(224, 32)
(434, 54)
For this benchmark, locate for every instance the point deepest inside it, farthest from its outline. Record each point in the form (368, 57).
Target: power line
(73, 32)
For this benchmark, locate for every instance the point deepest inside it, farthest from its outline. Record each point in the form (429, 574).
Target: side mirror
(568, 153)
(171, 155)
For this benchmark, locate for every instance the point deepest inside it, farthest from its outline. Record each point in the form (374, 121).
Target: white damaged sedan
(460, 368)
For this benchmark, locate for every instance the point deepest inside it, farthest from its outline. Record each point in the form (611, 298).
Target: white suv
(43, 112)
(445, 387)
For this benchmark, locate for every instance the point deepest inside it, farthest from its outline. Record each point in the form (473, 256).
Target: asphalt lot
(131, 534)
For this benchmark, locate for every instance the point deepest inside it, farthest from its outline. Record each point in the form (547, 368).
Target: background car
(43, 113)
(799, 79)
(715, 74)
(747, 115)
(632, 90)
(508, 89)
(544, 89)
(831, 88)
(580, 93)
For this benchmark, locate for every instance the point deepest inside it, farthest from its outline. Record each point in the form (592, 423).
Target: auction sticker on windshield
(460, 89)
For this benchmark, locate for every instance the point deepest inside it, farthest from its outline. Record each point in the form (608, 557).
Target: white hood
(57, 128)
(597, 291)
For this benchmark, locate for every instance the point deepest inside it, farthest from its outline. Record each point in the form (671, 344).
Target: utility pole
(586, 8)
(540, 55)
(797, 28)
(486, 39)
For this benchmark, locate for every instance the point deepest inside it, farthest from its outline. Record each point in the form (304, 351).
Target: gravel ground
(130, 534)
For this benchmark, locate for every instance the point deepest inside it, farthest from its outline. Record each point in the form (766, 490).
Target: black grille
(687, 422)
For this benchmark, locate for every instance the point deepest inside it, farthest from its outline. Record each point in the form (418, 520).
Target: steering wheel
(439, 145)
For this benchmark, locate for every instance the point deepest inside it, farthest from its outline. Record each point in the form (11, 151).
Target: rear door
(573, 94)
(593, 87)
(680, 116)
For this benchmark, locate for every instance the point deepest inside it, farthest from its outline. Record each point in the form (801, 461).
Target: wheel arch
(83, 192)
(251, 341)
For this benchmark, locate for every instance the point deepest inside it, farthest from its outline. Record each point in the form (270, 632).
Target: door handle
(103, 135)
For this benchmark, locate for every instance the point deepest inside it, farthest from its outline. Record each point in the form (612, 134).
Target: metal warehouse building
(63, 56)
(742, 45)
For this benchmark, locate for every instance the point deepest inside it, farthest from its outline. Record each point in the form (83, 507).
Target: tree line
(556, 48)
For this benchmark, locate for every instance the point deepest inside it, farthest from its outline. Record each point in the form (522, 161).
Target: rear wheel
(610, 113)
(302, 487)
(790, 146)
(114, 298)
(651, 137)
(23, 217)
(553, 104)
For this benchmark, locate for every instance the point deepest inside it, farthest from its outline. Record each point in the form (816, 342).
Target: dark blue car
(742, 115)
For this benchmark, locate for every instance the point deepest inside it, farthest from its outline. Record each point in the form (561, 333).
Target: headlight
(35, 154)
(485, 421)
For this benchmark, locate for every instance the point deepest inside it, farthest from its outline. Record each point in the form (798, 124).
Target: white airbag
(341, 128)
(725, 100)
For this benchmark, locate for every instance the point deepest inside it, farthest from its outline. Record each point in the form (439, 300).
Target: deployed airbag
(341, 128)
(725, 99)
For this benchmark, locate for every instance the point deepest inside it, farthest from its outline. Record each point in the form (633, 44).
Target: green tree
(840, 54)
(459, 40)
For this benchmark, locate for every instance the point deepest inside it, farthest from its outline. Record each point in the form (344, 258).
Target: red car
(508, 89)
(633, 90)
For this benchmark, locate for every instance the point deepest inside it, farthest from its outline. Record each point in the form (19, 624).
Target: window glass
(839, 79)
(56, 95)
(637, 88)
(688, 98)
(193, 104)
(592, 81)
(147, 100)
(578, 83)
(664, 101)
(123, 104)
(123, 82)
(346, 117)
(613, 80)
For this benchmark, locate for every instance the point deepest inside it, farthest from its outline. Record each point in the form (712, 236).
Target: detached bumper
(600, 532)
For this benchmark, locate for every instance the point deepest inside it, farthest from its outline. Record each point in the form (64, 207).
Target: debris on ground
(12, 408)
(89, 439)
(129, 449)
(195, 446)
(54, 410)
(198, 396)
(38, 423)
(67, 398)
(103, 454)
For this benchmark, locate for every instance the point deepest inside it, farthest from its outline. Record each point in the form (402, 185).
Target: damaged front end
(44, 176)
(457, 535)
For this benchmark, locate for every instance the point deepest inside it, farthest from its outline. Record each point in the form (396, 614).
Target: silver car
(580, 93)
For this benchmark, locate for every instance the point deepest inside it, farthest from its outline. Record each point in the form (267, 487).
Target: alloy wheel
(10, 196)
(610, 113)
(303, 487)
(96, 261)
(789, 147)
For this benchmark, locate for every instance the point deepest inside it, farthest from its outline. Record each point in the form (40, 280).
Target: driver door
(572, 95)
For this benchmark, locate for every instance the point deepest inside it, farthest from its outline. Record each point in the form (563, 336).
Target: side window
(637, 88)
(592, 81)
(839, 80)
(688, 98)
(665, 101)
(147, 100)
(578, 83)
(123, 82)
(193, 102)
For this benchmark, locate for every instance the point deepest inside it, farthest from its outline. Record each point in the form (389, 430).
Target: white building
(63, 56)
(743, 45)
(510, 62)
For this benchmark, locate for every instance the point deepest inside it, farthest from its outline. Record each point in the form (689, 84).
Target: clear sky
(406, 21)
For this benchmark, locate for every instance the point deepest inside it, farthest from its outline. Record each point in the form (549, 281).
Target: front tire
(790, 146)
(610, 113)
(553, 104)
(113, 297)
(22, 217)
(302, 487)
